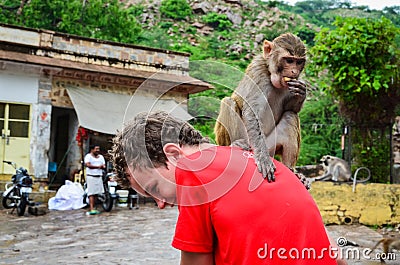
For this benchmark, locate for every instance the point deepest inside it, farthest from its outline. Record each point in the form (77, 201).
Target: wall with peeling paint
(370, 204)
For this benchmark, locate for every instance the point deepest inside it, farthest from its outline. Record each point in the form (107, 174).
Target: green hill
(232, 31)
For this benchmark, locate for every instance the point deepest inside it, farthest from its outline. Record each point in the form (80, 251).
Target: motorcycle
(16, 194)
(109, 196)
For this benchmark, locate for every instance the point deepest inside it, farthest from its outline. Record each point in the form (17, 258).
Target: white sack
(68, 197)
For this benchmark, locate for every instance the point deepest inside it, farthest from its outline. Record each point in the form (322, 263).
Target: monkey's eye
(289, 60)
(300, 62)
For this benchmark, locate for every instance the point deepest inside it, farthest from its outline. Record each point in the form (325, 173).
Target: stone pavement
(122, 236)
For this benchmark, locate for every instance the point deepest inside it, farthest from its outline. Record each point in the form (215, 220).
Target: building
(59, 93)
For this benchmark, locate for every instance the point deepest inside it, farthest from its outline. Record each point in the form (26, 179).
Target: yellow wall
(5, 177)
(371, 204)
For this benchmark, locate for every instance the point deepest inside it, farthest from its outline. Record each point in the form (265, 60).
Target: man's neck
(191, 149)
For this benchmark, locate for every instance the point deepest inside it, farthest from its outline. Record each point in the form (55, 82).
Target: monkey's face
(325, 160)
(285, 69)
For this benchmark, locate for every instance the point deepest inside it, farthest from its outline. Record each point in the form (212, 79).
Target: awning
(106, 112)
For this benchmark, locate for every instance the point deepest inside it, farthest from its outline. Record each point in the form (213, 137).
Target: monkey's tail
(226, 127)
(377, 244)
(221, 134)
(355, 180)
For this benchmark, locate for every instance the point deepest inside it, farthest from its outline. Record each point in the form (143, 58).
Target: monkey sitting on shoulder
(262, 112)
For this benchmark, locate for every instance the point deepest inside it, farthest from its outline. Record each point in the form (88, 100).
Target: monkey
(388, 244)
(335, 169)
(262, 112)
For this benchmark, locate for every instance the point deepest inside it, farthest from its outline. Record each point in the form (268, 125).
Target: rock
(198, 25)
(247, 23)
(201, 8)
(38, 210)
(310, 171)
(221, 38)
(234, 2)
(220, 9)
(259, 38)
(276, 10)
(236, 19)
(267, 24)
(262, 15)
(236, 48)
(206, 30)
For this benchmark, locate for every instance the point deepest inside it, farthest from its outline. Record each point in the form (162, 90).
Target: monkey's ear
(267, 48)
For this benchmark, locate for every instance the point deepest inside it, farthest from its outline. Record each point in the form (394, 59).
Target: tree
(321, 128)
(393, 13)
(362, 59)
(102, 19)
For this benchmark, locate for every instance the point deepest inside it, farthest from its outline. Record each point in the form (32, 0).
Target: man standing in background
(95, 164)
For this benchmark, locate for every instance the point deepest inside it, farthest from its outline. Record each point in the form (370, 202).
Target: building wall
(42, 62)
(18, 88)
(41, 129)
(97, 52)
(128, 56)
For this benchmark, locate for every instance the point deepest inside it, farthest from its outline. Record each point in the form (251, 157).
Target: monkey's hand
(297, 91)
(297, 88)
(243, 144)
(265, 165)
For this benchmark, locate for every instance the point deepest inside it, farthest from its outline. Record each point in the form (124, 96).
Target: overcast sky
(373, 4)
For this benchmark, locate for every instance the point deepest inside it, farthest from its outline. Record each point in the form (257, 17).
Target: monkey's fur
(388, 244)
(262, 112)
(335, 169)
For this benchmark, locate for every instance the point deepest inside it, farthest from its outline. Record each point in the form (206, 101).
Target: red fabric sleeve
(194, 231)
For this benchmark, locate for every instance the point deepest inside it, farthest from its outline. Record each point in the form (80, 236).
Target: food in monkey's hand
(286, 79)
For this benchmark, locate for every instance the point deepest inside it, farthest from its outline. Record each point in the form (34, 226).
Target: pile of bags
(68, 197)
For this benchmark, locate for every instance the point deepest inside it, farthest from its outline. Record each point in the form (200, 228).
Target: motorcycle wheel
(108, 202)
(21, 205)
(85, 198)
(8, 200)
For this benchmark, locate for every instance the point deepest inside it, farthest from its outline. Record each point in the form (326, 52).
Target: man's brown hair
(141, 141)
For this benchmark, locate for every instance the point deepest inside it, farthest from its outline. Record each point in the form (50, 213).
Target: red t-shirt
(226, 207)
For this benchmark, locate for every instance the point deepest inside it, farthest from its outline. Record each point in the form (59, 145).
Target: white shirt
(94, 162)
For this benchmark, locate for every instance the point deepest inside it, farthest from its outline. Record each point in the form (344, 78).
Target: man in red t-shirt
(228, 214)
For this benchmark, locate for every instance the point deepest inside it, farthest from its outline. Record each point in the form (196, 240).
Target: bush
(175, 9)
(217, 21)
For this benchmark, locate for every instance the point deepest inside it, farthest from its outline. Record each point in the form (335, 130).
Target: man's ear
(267, 48)
(173, 152)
